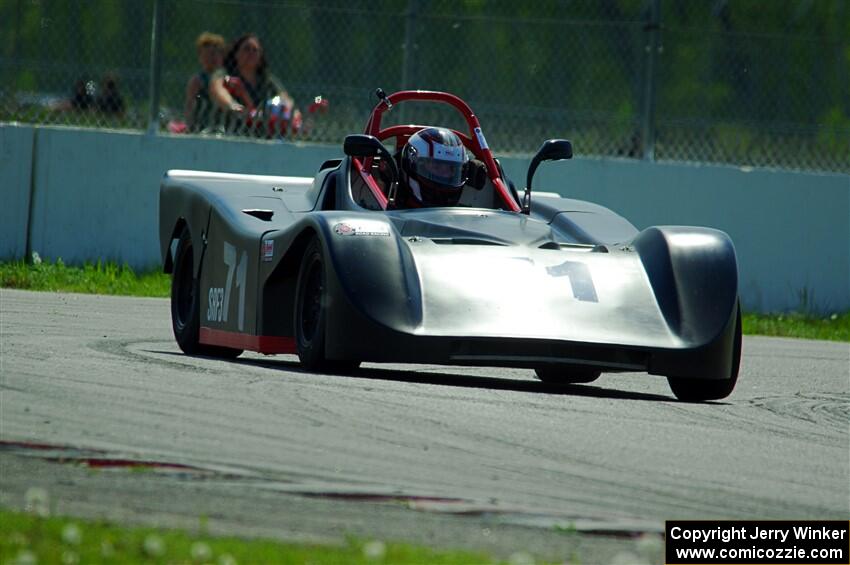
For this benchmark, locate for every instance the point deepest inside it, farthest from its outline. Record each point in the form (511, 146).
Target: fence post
(841, 61)
(653, 29)
(408, 75)
(155, 67)
(16, 44)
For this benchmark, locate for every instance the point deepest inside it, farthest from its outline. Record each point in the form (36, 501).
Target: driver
(434, 168)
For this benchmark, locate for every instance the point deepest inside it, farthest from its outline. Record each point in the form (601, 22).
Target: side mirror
(551, 150)
(362, 145)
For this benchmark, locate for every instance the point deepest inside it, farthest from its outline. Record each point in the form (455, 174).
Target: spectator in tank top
(200, 113)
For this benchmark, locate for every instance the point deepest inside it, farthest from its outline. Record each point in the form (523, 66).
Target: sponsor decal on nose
(362, 228)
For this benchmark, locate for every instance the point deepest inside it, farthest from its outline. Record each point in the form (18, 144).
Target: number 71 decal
(219, 298)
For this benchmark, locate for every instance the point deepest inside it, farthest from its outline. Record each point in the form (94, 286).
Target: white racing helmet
(434, 161)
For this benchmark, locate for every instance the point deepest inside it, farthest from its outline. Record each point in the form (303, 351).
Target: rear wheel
(700, 390)
(311, 314)
(185, 303)
(566, 374)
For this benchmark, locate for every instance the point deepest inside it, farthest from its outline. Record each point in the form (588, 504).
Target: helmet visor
(441, 171)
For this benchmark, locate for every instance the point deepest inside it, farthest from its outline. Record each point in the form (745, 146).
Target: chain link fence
(744, 82)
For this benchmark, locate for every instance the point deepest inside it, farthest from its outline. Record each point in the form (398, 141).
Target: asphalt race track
(482, 458)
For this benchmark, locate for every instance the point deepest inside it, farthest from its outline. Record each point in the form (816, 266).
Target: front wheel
(185, 303)
(311, 314)
(700, 390)
(566, 374)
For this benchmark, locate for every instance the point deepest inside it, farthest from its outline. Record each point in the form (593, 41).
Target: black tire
(700, 390)
(186, 306)
(311, 314)
(567, 374)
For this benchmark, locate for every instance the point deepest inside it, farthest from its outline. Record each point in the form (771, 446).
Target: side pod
(694, 276)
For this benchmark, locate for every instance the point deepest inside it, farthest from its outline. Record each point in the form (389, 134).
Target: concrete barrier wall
(96, 196)
(16, 145)
(97, 193)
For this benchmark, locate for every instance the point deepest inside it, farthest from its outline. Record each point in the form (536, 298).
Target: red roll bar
(474, 139)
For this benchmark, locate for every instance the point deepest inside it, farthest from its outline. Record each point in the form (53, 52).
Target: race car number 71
(219, 298)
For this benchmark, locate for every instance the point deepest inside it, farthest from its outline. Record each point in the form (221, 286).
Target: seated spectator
(199, 111)
(253, 85)
(82, 98)
(109, 101)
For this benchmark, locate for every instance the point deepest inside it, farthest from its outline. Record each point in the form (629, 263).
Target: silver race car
(341, 268)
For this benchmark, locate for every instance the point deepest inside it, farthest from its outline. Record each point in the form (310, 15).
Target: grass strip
(833, 328)
(91, 278)
(27, 538)
(109, 278)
